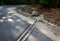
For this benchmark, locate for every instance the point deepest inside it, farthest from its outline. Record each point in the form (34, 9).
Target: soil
(51, 15)
(30, 8)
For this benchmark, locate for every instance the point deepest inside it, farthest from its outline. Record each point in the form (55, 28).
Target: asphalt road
(14, 25)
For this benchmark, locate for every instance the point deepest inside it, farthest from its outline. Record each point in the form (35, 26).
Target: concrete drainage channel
(25, 34)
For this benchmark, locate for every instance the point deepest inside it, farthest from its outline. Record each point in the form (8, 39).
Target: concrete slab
(37, 35)
(44, 28)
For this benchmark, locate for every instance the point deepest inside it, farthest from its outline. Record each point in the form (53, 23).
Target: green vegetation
(45, 3)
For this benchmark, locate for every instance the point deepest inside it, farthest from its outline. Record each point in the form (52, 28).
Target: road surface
(13, 25)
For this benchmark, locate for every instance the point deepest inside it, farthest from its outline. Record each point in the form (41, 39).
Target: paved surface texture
(13, 25)
(37, 35)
